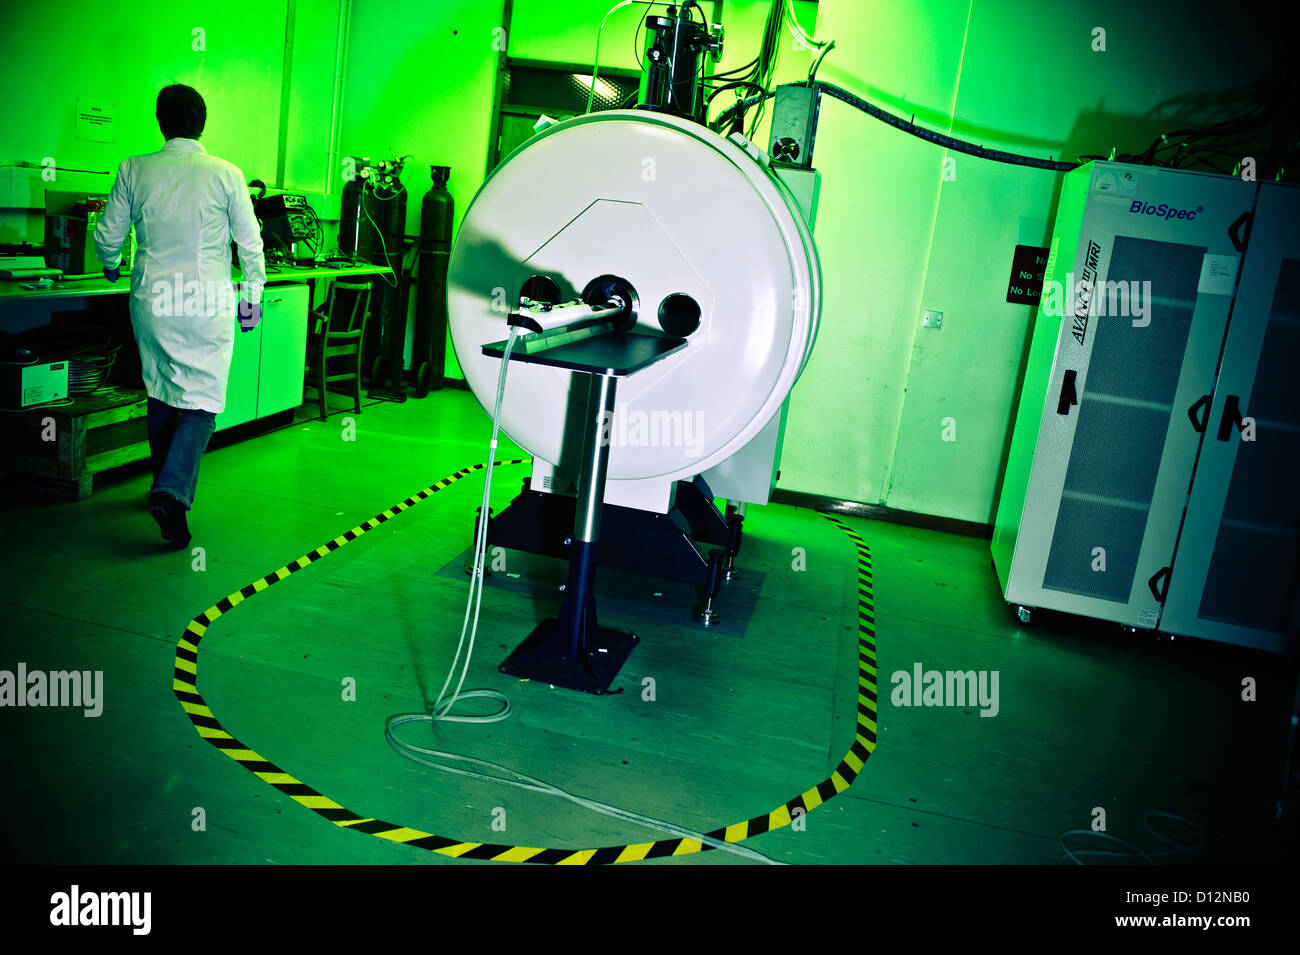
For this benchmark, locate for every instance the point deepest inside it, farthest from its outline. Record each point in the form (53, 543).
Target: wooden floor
(738, 725)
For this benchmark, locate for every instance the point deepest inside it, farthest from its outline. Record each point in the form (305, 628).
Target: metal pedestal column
(572, 650)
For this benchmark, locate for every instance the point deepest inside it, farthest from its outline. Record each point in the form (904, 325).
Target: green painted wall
(874, 224)
(232, 52)
(419, 80)
(311, 77)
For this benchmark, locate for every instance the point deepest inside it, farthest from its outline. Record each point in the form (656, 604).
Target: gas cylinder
(372, 226)
(429, 344)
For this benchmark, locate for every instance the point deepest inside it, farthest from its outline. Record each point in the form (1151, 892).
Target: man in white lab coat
(186, 206)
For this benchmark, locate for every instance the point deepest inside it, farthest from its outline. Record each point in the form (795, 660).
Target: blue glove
(113, 274)
(250, 313)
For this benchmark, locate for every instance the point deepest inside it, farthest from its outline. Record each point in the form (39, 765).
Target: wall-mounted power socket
(932, 318)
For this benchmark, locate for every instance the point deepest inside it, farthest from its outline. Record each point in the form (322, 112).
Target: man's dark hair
(181, 112)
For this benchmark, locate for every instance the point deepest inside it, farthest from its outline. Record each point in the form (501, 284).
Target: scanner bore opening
(604, 288)
(679, 315)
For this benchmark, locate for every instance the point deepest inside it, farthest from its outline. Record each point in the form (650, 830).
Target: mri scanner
(661, 290)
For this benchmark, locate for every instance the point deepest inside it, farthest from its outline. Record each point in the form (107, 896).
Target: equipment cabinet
(1167, 295)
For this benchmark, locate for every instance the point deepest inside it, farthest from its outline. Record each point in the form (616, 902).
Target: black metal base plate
(630, 540)
(634, 601)
(538, 658)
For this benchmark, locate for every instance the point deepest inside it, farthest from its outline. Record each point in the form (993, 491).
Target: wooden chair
(338, 331)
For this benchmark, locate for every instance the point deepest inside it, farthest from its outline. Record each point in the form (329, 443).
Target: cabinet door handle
(1239, 240)
(1231, 416)
(1068, 395)
(271, 301)
(1201, 407)
(1159, 583)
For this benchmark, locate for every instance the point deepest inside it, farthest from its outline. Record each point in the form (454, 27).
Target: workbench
(65, 445)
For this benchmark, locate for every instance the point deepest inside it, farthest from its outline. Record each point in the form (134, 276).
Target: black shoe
(170, 515)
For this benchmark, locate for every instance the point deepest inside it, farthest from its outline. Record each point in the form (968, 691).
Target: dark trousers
(177, 439)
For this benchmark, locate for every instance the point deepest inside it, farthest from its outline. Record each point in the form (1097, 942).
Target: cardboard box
(24, 385)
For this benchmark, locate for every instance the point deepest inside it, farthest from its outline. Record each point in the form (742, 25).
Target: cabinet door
(241, 387)
(1235, 574)
(284, 348)
(1116, 448)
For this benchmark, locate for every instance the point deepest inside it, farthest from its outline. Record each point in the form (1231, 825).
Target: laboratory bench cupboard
(106, 428)
(268, 363)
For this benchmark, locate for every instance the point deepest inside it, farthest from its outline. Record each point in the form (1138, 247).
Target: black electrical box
(286, 218)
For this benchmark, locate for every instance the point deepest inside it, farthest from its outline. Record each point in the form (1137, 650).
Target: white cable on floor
(469, 627)
(1126, 850)
(442, 707)
(523, 781)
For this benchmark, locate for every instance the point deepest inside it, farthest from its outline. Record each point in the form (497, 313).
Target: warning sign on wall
(1027, 265)
(94, 120)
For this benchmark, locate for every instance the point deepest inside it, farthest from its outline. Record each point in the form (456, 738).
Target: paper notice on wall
(1218, 274)
(95, 120)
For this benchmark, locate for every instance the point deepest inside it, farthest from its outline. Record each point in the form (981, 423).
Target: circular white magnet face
(715, 249)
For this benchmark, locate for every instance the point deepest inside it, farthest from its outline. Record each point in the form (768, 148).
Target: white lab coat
(186, 206)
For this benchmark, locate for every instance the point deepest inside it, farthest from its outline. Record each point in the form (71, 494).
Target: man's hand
(250, 313)
(113, 274)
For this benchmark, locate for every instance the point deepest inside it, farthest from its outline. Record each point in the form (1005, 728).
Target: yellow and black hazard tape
(185, 686)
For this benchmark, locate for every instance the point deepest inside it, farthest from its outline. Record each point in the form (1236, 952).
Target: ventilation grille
(1124, 413)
